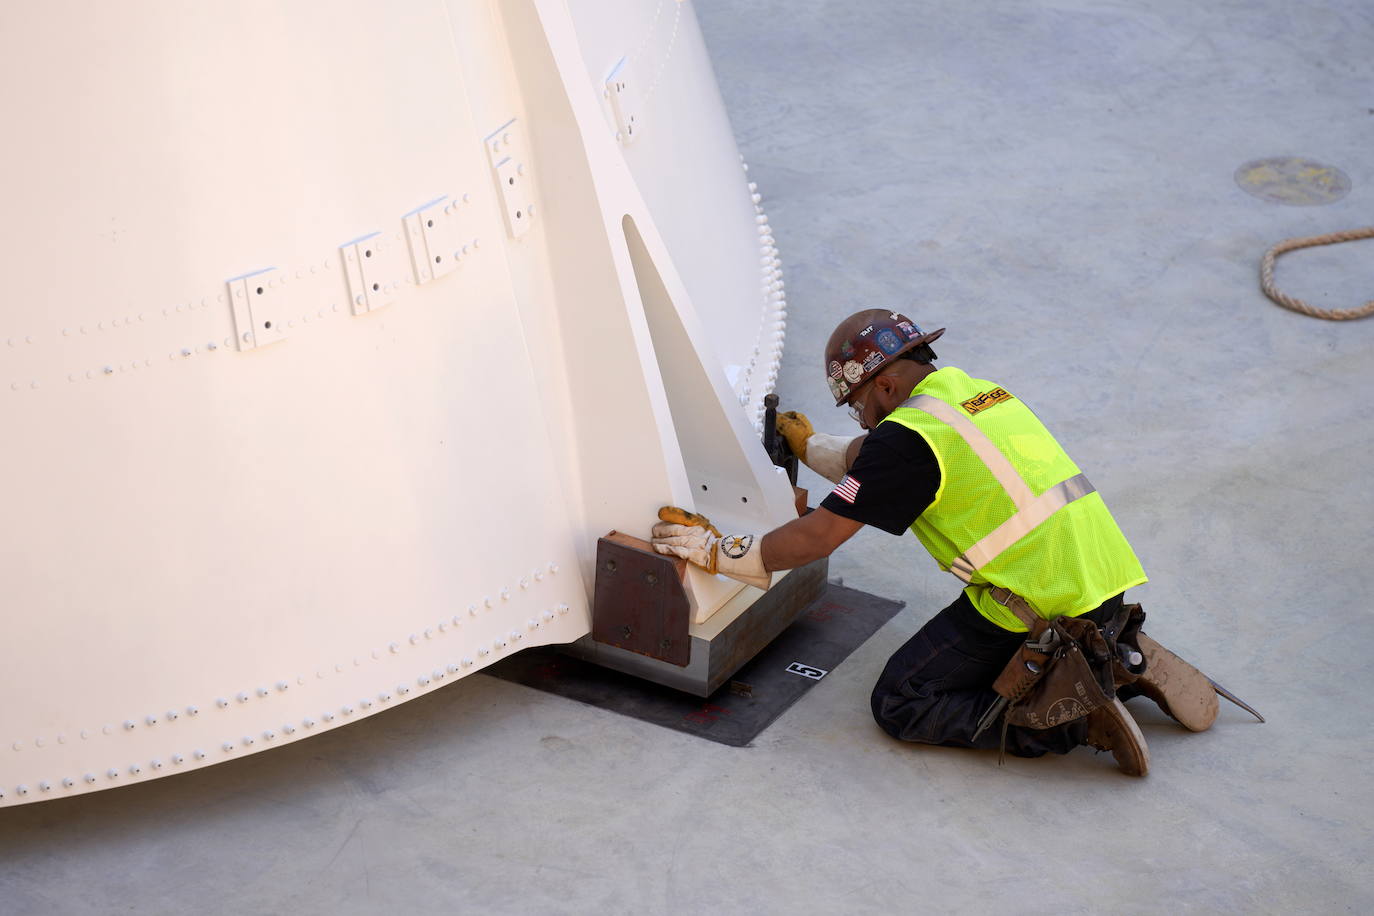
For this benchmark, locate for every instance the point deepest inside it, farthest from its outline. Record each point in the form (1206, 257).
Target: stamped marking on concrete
(1293, 181)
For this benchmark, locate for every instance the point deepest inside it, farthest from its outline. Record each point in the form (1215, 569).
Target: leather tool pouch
(1062, 672)
(1077, 678)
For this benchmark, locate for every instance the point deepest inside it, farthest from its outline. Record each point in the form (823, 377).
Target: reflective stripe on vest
(1031, 510)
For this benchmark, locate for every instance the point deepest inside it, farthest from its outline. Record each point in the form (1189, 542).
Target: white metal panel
(688, 169)
(219, 550)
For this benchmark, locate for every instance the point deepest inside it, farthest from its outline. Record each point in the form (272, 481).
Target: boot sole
(1134, 758)
(1182, 691)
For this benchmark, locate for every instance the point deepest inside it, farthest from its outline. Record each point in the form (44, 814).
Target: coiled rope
(1296, 304)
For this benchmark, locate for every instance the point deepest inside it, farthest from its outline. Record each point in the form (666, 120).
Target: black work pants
(937, 686)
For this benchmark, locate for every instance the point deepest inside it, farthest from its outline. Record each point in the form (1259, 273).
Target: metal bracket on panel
(375, 269)
(639, 602)
(623, 92)
(509, 156)
(432, 232)
(259, 311)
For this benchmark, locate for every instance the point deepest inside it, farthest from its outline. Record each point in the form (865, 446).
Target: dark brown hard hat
(864, 343)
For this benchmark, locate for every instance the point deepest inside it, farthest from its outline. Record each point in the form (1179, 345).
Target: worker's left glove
(693, 538)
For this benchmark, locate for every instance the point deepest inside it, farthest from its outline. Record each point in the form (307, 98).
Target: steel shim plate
(640, 604)
(825, 633)
(721, 646)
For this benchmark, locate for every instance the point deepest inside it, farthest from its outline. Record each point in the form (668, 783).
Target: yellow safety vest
(1012, 510)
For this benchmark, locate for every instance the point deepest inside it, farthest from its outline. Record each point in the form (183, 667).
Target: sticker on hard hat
(839, 388)
(853, 371)
(873, 360)
(986, 399)
(888, 341)
(846, 349)
(836, 372)
(910, 330)
(866, 331)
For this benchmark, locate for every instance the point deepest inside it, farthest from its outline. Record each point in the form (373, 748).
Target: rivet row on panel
(177, 758)
(768, 339)
(320, 269)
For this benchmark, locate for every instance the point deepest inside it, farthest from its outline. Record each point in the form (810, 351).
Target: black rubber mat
(805, 653)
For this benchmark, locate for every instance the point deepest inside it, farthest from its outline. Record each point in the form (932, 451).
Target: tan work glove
(692, 537)
(822, 453)
(796, 429)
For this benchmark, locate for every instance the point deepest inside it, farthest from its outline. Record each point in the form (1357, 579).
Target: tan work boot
(1182, 691)
(1111, 728)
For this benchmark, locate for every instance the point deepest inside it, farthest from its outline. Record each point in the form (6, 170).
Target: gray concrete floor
(1053, 182)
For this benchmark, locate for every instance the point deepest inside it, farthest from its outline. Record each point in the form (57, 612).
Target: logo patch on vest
(986, 399)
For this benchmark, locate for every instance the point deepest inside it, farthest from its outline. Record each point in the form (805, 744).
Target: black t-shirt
(894, 478)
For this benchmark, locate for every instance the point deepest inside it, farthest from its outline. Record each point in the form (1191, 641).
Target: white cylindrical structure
(335, 335)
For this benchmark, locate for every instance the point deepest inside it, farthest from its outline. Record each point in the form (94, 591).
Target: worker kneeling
(1039, 649)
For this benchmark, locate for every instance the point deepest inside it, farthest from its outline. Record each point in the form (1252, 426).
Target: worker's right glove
(822, 453)
(692, 537)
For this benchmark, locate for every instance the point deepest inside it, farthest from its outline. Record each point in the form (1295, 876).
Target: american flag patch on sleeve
(847, 489)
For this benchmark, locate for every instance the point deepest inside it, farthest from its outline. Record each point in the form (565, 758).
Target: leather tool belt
(1063, 671)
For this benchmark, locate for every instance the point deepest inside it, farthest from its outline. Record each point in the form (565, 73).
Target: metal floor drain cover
(1293, 181)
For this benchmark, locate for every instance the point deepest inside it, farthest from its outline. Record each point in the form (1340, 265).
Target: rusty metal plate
(1293, 181)
(639, 603)
(825, 633)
